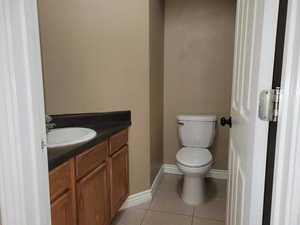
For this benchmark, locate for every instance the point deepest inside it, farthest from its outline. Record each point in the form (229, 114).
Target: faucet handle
(48, 118)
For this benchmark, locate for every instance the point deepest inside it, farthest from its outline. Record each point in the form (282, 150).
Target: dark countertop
(105, 124)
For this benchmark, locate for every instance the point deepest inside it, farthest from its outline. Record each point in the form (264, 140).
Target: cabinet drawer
(62, 210)
(91, 159)
(117, 141)
(60, 179)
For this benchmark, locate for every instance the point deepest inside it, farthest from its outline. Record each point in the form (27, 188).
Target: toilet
(196, 134)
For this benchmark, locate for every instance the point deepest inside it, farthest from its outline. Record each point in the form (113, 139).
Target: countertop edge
(55, 162)
(106, 124)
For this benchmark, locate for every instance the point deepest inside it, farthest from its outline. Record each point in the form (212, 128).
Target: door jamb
(276, 83)
(286, 199)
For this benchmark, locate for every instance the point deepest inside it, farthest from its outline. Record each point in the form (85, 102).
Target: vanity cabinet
(61, 210)
(90, 188)
(93, 198)
(62, 194)
(93, 186)
(118, 165)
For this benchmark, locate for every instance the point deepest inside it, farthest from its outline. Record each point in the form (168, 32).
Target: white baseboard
(157, 179)
(213, 173)
(137, 199)
(172, 169)
(218, 174)
(145, 196)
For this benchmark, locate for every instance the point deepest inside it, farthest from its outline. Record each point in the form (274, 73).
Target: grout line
(168, 212)
(209, 218)
(148, 208)
(193, 215)
(155, 193)
(143, 219)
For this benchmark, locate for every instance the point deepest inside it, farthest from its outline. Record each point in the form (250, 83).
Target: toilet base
(193, 191)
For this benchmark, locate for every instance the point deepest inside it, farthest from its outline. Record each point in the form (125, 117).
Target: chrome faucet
(49, 125)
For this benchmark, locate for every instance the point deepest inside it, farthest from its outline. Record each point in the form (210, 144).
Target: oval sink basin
(67, 137)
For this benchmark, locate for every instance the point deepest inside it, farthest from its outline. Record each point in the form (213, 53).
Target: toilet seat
(194, 157)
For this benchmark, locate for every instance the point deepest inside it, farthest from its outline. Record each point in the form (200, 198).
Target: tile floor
(167, 208)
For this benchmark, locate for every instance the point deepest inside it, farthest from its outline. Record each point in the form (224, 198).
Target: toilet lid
(194, 157)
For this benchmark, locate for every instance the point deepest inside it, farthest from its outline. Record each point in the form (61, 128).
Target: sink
(70, 136)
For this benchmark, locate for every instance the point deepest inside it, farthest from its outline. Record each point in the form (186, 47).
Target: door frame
(285, 198)
(24, 185)
(272, 131)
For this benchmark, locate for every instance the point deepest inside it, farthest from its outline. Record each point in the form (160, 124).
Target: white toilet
(196, 133)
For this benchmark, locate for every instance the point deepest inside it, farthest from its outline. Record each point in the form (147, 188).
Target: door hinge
(43, 144)
(269, 104)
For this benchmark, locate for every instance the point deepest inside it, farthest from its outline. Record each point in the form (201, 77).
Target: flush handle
(225, 121)
(180, 123)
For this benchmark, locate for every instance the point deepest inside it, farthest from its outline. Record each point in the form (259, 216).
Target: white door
(256, 22)
(24, 187)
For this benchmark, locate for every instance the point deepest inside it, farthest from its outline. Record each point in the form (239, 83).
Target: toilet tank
(196, 130)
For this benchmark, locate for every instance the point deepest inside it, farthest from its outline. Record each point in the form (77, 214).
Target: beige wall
(156, 85)
(96, 58)
(109, 55)
(199, 38)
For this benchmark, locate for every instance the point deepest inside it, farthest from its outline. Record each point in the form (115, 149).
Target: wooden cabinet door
(93, 198)
(62, 210)
(118, 165)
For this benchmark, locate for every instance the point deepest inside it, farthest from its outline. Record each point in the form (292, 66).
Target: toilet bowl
(194, 163)
(194, 160)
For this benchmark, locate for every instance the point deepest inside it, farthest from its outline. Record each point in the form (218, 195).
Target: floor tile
(167, 208)
(170, 202)
(159, 218)
(145, 205)
(199, 221)
(213, 209)
(167, 197)
(170, 183)
(131, 216)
